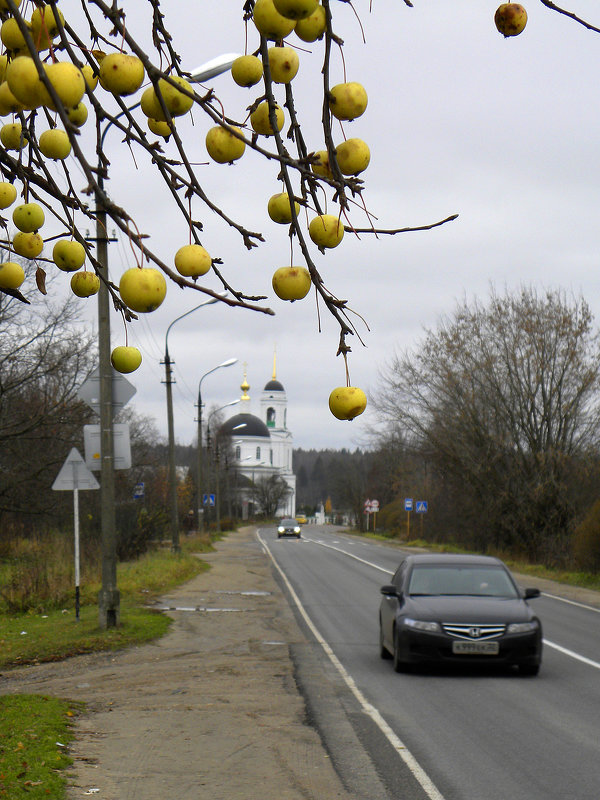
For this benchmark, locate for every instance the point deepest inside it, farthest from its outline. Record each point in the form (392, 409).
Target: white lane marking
(416, 769)
(572, 602)
(351, 555)
(572, 654)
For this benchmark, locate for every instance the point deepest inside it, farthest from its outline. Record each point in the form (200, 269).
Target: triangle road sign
(74, 474)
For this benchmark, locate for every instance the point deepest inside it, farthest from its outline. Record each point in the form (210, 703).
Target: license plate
(476, 648)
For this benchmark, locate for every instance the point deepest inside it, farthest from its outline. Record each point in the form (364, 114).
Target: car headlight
(522, 627)
(280, 530)
(297, 529)
(421, 625)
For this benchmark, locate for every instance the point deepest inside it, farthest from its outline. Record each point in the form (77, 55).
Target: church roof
(274, 386)
(252, 426)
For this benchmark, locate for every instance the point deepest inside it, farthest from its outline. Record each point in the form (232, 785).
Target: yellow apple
(28, 217)
(4, 5)
(78, 115)
(260, 121)
(296, 9)
(28, 245)
(68, 255)
(44, 26)
(326, 230)
(291, 283)
(23, 80)
(348, 100)
(280, 208)
(321, 165)
(222, 146)
(353, 156)
(90, 77)
(510, 19)
(11, 136)
(270, 22)
(150, 105)
(55, 144)
(247, 70)
(121, 74)
(192, 260)
(9, 103)
(8, 194)
(283, 63)
(85, 283)
(11, 35)
(12, 275)
(347, 402)
(142, 289)
(313, 27)
(125, 359)
(176, 101)
(3, 64)
(68, 83)
(160, 128)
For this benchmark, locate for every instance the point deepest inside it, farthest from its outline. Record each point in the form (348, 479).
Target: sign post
(408, 507)
(73, 476)
(421, 508)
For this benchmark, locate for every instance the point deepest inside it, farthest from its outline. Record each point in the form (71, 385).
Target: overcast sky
(503, 132)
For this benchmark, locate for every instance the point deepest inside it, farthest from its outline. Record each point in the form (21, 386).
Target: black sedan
(458, 609)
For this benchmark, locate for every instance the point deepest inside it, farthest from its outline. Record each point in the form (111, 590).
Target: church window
(258, 453)
(271, 455)
(285, 418)
(238, 453)
(270, 417)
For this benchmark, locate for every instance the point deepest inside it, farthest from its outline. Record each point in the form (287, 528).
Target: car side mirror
(389, 590)
(531, 593)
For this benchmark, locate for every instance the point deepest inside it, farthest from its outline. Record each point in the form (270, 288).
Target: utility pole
(172, 477)
(108, 597)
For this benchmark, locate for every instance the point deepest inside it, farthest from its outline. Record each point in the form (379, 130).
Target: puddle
(201, 609)
(253, 593)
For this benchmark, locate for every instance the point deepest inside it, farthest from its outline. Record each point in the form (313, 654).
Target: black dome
(252, 426)
(274, 386)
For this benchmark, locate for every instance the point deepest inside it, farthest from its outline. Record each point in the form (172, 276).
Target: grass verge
(34, 733)
(35, 730)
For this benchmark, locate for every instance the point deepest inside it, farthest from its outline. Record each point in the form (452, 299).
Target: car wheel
(529, 670)
(399, 665)
(383, 651)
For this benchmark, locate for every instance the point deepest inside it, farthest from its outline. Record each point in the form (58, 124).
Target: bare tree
(268, 493)
(503, 400)
(43, 359)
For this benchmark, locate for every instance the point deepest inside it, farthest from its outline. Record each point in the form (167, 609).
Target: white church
(263, 444)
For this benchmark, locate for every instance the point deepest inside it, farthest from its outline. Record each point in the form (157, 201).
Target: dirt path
(209, 711)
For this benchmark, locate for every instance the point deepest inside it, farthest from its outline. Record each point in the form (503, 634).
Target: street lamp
(172, 476)
(199, 504)
(108, 597)
(217, 492)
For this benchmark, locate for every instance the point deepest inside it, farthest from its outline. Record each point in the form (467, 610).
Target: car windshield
(461, 580)
(288, 523)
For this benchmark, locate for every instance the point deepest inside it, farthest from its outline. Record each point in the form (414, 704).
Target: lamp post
(172, 475)
(217, 492)
(200, 487)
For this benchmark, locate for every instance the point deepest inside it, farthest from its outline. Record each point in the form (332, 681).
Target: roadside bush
(586, 541)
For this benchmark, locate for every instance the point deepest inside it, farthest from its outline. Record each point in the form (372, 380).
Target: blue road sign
(138, 491)
(408, 504)
(208, 499)
(421, 506)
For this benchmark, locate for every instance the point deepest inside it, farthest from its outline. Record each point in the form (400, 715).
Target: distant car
(289, 527)
(301, 519)
(458, 609)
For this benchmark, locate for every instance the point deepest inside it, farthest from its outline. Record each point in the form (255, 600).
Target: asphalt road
(472, 735)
